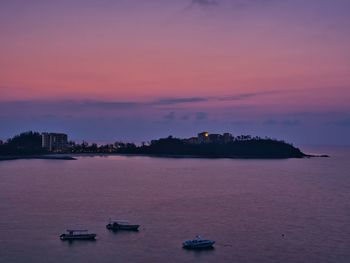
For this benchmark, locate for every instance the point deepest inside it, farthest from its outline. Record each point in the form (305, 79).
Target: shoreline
(183, 156)
(72, 156)
(38, 157)
(188, 156)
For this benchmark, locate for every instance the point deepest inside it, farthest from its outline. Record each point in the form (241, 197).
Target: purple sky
(137, 70)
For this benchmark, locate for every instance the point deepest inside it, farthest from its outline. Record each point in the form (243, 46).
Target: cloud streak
(343, 122)
(248, 95)
(201, 116)
(170, 116)
(205, 2)
(287, 122)
(78, 106)
(171, 101)
(234, 3)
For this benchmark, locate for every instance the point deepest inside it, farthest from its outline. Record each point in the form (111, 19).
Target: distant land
(35, 145)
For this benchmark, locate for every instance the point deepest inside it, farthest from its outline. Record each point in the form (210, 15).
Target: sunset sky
(141, 69)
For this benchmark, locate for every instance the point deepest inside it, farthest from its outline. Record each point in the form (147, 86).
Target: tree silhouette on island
(237, 148)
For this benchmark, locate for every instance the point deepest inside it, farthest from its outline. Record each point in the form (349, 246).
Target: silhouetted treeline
(26, 143)
(85, 147)
(253, 148)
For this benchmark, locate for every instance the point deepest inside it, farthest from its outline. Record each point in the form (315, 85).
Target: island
(248, 147)
(55, 146)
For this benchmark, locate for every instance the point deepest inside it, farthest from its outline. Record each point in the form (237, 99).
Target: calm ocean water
(256, 210)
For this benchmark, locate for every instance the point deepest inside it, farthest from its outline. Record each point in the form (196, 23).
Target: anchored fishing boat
(121, 225)
(198, 243)
(77, 234)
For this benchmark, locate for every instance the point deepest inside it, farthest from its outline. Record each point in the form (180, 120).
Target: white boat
(77, 234)
(198, 243)
(121, 225)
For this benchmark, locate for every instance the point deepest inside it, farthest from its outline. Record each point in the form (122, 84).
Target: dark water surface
(295, 210)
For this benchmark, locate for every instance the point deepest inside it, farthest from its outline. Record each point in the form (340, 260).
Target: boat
(198, 243)
(121, 225)
(77, 234)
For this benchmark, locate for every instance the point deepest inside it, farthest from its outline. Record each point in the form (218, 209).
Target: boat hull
(198, 245)
(78, 237)
(115, 227)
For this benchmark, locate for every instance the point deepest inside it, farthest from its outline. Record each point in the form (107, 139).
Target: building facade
(54, 142)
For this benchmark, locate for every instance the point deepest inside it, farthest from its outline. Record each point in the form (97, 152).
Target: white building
(54, 142)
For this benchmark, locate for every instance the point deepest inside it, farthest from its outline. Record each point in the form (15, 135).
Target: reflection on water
(295, 210)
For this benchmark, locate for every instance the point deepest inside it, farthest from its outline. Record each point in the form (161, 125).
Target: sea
(292, 210)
